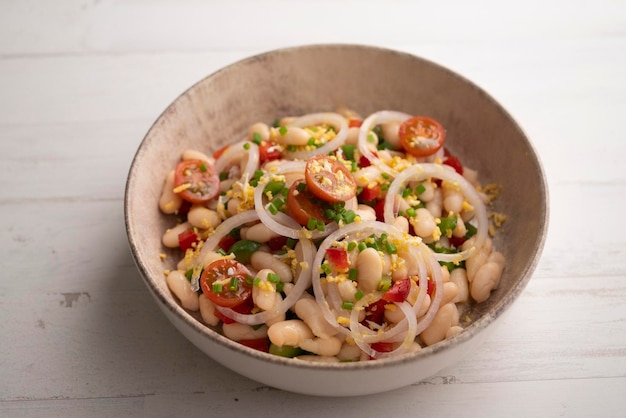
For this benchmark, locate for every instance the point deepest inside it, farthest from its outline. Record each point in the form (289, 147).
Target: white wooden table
(81, 83)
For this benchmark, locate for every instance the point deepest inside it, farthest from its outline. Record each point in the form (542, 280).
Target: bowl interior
(220, 108)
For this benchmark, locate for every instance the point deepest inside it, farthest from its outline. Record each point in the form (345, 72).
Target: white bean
(349, 352)
(424, 308)
(207, 310)
(260, 233)
(458, 276)
(192, 154)
(452, 199)
(435, 205)
(262, 260)
(170, 237)
(347, 290)
(393, 314)
(309, 311)
(369, 270)
(233, 206)
(353, 136)
(263, 292)
(440, 325)
(279, 317)
(203, 218)
(487, 278)
(455, 330)
(260, 128)
(479, 257)
(460, 230)
(169, 202)
(238, 332)
(322, 346)
(390, 133)
(450, 292)
(293, 136)
(423, 223)
(367, 213)
(429, 192)
(181, 288)
(290, 332)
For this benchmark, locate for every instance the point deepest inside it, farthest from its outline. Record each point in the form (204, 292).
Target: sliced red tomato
(217, 154)
(268, 151)
(199, 179)
(375, 312)
(229, 277)
(354, 123)
(421, 136)
(261, 344)
(379, 208)
(369, 194)
(329, 180)
(399, 291)
(364, 162)
(300, 205)
(227, 242)
(186, 239)
(277, 243)
(338, 259)
(457, 241)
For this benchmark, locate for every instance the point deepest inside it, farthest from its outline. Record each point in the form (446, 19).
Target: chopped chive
(272, 209)
(311, 141)
(351, 245)
(371, 138)
(301, 187)
(279, 203)
(359, 190)
(312, 224)
(385, 186)
(326, 267)
(234, 284)
(291, 243)
(246, 146)
(362, 246)
(274, 187)
(348, 151)
(216, 288)
(352, 274)
(385, 175)
(256, 281)
(420, 189)
(411, 212)
(280, 286)
(347, 305)
(256, 138)
(282, 130)
(254, 182)
(223, 176)
(358, 295)
(292, 148)
(189, 274)
(384, 284)
(406, 193)
(349, 216)
(203, 167)
(273, 278)
(276, 123)
(321, 226)
(391, 248)
(220, 251)
(257, 174)
(354, 167)
(249, 280)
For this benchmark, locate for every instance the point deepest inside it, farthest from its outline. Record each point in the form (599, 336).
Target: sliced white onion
(236, 152)
(368, 124)
(441, 171)
(333, 119)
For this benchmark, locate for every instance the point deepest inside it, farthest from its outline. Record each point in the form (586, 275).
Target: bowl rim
(468, 333)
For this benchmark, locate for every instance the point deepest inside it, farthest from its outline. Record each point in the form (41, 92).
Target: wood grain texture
(82, 82)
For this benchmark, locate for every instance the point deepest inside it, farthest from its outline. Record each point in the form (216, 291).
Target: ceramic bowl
(293, 81)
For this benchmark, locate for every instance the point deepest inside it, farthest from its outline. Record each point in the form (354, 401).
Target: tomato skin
(364, 162)
(399, 291)
(226, 269)
(186, 239)
(355, 123)
(260, 344)
(369, 194)
(425, 127)
(204, 181)
(379, 208)
(455, 163)
(227, 242)
(301, 207)
(217, 154)
(329, 180)
(277, 243)
(375, 312)
(382, 347)
(268, 151)
(338, 259)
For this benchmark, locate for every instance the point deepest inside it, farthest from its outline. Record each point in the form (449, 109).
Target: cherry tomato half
(268, 151)
(421, 136)
(300, 205)
(229, 278)
(329, 180)
(201, 178)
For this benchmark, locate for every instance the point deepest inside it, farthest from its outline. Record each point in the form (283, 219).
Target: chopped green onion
(348, 151)
(220, 251)
(384, 284)
(256, 281)
(279, 203)
(311, 141)
(312, 224)
(274, 187)
(246, 146)
(223, 176)
(272, 209)
(347, 305)
(406, 193)
(385, 175)
(352, 274)
(256, 138)
(273, 278)
(354, 167)
(216, 288)
(351, 245)
(280, 286)
(326, 267)
(234, 284)
(362, 246)
(358, 295)
(203, 167)
(189, 274)
(301, 187)
(282, 130)
(292, 148)
(291, 243)
(391, 248)
(349, 216)
(411, 212)
(420, 189)
(385, 186)
(249, 280)
(371, 138)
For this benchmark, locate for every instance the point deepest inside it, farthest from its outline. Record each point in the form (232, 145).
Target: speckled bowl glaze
(219, 109)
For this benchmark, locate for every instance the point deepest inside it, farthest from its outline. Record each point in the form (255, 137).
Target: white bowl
(218, 110)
